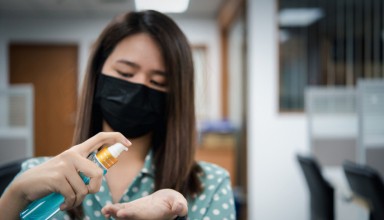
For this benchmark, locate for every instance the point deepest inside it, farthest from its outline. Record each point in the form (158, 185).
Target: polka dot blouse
(214, 203)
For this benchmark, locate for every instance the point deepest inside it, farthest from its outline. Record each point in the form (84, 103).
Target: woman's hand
(162, 204)
(60, 174)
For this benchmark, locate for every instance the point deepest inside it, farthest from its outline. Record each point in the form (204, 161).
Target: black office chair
(8, 171)
(321, 192)
(366, 183)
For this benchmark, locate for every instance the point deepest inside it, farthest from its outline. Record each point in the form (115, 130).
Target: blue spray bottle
(46, 207)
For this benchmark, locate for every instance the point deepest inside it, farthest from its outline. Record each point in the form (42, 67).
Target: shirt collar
(148, 168)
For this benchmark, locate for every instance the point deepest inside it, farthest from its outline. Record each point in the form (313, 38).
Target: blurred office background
(274, 79)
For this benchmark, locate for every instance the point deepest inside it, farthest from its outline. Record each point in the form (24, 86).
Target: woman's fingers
(92, 171)
(69, 194)
(66, 175)
(179, 205)
(77, 156)
(112, 209)
(88, 168)
(177, 202)
(79, 187)
(98, 140)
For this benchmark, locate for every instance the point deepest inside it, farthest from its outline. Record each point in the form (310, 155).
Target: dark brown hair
(174, 143)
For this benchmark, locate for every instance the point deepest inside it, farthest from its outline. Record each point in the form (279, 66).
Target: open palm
(162, 204)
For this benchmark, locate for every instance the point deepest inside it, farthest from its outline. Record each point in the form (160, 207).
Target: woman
(139, 82)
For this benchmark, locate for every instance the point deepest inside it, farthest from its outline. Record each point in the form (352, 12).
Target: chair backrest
(321, 192)
(367, 184)
(8, 171)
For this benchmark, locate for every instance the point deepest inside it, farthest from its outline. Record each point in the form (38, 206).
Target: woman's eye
(158, 83)
(127, 75)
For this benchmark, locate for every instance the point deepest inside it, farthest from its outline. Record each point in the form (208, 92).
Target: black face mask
(129, 108)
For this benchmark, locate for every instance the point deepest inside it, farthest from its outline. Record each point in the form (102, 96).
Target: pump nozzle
(108, 155)
(116, 149)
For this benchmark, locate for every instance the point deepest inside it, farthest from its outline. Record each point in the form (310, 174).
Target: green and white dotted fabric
(214, 203)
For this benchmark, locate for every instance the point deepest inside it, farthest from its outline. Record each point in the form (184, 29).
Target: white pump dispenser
(116, 149)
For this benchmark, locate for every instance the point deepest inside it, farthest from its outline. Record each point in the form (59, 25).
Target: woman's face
(137, 59)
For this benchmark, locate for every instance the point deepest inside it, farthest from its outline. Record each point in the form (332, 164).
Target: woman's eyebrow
(129, 63)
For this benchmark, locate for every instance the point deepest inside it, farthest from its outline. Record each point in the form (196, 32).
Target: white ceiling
(94, 8)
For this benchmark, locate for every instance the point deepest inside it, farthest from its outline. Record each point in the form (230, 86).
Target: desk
(347, 205)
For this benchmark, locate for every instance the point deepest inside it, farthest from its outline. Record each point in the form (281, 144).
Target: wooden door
(52, 69)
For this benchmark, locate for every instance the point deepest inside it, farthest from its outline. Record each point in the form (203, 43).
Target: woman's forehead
(140, 49)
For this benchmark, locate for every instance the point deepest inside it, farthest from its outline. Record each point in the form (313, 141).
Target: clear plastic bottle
(46, 207)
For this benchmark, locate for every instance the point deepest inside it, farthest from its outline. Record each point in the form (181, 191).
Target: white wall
(84, 32)
(276, 188)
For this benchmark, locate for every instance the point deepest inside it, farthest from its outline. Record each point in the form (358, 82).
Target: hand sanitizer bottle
(47, 206)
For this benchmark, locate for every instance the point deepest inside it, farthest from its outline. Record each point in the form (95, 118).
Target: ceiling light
(299, 16)
(165, 6)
